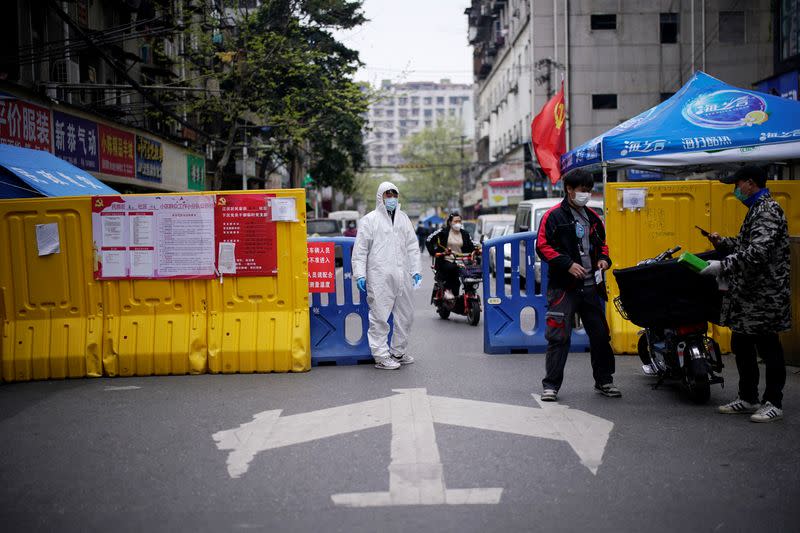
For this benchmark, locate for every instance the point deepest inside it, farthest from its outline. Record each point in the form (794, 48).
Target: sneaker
(549, 395)
(767, 413)
(404, 359)
(386, 363)
(738, 406)
(609, 389)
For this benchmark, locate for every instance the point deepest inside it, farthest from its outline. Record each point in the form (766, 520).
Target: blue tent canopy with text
(707, 122)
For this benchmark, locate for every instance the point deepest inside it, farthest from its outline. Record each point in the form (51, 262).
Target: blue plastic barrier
(329, 345)
(502, 327)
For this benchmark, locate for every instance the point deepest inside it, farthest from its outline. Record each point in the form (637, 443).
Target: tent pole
(605, 184)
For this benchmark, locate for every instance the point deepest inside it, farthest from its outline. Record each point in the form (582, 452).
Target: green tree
(280, 67)
(441, 153)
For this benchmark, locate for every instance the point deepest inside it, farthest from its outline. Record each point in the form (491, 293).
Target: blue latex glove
(361, 283)
(417, 280)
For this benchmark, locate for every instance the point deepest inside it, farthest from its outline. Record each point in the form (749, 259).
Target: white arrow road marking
(416, 475)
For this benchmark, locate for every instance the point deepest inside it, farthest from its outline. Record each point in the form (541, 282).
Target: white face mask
(581, 198)
(457, 227)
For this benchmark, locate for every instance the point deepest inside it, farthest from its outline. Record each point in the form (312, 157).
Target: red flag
(549, 137)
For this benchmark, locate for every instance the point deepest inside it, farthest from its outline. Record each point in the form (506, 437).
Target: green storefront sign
(196, 172)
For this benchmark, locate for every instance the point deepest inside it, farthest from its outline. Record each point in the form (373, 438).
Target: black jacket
(557, 244)
(437, 241)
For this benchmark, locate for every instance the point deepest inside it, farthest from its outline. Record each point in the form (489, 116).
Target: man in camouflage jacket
(757, 302)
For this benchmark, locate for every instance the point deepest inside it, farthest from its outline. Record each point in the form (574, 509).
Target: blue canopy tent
(706, 123)
(431, 220)
(26, 173)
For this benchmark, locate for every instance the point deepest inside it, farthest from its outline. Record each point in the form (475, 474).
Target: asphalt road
(140, 454)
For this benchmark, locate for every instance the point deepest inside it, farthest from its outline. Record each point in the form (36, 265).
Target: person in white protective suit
(386, 263)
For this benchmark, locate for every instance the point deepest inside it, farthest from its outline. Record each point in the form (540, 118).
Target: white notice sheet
(185, 240)
(47, 240)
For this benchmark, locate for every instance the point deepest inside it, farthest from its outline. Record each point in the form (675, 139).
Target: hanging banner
(149, 159)
(116, 151)
(245, 222)
(24, 124)
(321, 274)
(75, 140)
(196, 172)
(153, 237)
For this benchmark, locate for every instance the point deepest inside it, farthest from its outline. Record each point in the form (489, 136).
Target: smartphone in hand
(703, 232)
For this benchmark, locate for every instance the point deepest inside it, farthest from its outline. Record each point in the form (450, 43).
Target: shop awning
(26, 173)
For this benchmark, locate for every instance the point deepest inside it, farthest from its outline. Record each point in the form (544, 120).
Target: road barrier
(514, 316)
(332, 313)
(57, 321)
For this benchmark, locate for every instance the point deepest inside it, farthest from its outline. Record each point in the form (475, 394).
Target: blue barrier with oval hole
(329, 343)
(502, 325)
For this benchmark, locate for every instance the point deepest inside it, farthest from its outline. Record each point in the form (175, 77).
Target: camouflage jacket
(758, 299)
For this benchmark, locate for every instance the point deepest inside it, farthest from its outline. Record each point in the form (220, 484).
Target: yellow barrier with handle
(51, 312)
(57, 321)
(671, 211)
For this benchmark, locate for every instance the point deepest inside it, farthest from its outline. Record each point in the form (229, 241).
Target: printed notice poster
(245, 220)
(153, 237)
(116, 151)
(185, 242)
(321, 273)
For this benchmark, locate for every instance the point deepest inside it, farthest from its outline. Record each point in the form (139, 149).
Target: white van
(483, 228)
(529, 216)
(343, 217)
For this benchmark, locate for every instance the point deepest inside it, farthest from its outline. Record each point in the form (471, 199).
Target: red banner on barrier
(245, 229)
(321, 274)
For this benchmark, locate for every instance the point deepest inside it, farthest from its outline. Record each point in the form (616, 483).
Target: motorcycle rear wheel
(699, 390)
(643, 349)
(444, 314)
(474, 315)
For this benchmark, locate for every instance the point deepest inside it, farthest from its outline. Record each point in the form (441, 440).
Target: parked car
(499, 231)
(529, 216)
(325, 227)
(485, 224)
(469, 226)
(343, 217)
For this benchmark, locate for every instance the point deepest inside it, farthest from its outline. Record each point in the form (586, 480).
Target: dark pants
(447, 273)
(561, 307)
(747, 349)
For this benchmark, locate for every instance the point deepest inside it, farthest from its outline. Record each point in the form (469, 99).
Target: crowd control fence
(515, 308)
(339, 320)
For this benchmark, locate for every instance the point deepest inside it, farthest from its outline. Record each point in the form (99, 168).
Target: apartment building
(407, 108)
(617, 58)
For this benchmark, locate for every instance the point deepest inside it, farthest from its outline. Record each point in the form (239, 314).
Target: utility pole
(244, 160)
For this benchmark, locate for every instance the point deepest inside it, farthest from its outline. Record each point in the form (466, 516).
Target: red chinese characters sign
(321, 277)
(24, 124)
(244, 221)
(116, 152)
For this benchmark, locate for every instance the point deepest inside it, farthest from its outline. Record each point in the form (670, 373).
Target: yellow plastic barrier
(51, 312)
(56, 321)
(671, 211)
(261, 324)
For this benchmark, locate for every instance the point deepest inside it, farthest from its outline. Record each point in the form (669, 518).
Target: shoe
(738, 406)
(609, 390)
(767, 413)
(386, 363)
(404, 359)
(549, 395)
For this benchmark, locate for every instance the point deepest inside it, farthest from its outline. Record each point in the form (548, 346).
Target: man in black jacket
(572, 241)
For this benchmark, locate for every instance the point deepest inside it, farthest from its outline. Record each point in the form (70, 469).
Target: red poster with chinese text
(321, 273)
(24, 124)
(116, 151)
(244, 220)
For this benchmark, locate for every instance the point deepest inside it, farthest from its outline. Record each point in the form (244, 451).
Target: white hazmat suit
(386, 253)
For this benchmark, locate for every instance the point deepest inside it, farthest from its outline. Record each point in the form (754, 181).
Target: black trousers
(447, 272)
(747, 348)
(561, 307)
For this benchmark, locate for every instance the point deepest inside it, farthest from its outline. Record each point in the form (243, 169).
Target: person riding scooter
(450, 238)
